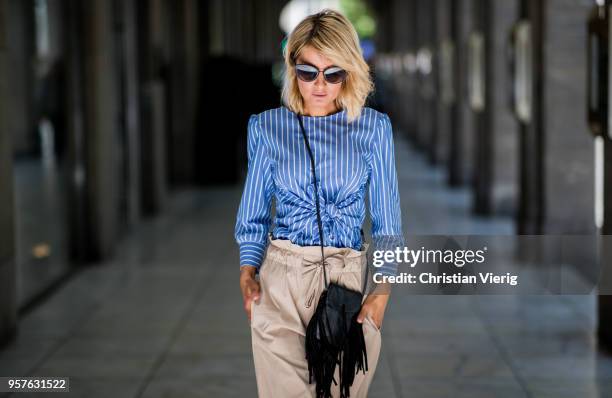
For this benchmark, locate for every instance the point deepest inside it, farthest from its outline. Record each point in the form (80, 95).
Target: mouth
(319, 95)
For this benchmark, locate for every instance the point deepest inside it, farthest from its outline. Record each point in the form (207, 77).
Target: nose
(320, 81)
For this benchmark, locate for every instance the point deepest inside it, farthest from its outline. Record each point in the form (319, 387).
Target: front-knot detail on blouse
(331, 212)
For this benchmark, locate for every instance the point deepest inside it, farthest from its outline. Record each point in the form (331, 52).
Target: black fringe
(323, 353)
(354, 357)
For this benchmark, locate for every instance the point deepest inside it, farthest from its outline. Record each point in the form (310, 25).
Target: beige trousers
(291, 279)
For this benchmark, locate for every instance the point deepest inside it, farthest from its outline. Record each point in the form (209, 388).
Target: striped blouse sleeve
(384, 195)
(254, 213)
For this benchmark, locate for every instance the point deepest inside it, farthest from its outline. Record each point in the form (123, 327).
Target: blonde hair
(332, 34)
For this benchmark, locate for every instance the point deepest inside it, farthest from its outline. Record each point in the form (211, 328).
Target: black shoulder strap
(320, 224)
(316, 194)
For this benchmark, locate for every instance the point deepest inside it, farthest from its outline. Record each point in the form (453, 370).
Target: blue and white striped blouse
(348, 156)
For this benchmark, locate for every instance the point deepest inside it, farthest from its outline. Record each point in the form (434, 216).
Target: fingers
(362, 314)
(252, 298)
(367, 310)
(253, 290)
(248, 307)
(252, 293)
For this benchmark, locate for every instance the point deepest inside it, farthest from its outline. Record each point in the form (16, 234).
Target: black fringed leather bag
(333, 335)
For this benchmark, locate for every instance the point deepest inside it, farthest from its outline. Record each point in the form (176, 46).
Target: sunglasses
(309, 73)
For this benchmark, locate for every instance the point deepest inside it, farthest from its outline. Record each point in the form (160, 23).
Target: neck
(320, 111)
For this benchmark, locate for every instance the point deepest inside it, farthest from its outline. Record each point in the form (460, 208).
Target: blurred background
(122, 161)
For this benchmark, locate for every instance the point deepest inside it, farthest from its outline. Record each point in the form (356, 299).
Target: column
(8, 276)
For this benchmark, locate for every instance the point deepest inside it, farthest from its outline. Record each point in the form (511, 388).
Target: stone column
(483, 132)
(183, 72)
(531, 131)
(568, 167)
(403, 82)
(153, 55)
(426, 104)
(456, 133)
(604, 300)
(130, 112)
(464, 117)
(94, 126)
(443, 61)
(410, 87)
(556, 146)
(20, 46)
(504, 146)
(102, 116)
(8, 272)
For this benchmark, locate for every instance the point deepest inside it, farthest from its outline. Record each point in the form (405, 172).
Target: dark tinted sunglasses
(309, 73)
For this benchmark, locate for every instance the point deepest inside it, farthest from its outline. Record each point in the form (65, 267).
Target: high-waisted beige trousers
(291, 279)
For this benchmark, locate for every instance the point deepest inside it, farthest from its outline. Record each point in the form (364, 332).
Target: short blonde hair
(333, 35)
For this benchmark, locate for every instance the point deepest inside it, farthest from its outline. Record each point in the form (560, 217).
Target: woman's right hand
(249, 287)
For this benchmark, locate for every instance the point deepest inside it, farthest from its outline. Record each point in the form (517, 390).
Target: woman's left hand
(374, 306)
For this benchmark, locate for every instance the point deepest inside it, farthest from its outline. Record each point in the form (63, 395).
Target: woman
(327, 82)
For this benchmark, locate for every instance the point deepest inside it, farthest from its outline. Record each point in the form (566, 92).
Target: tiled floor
(164, 318)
